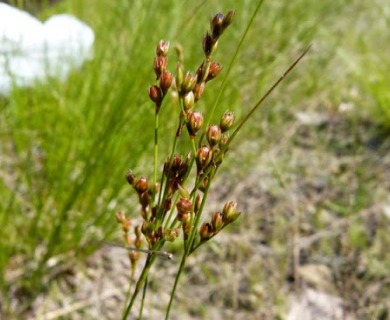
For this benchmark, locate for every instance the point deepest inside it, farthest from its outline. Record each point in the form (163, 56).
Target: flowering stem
(224, 81)
(141, 280)
(181, 268)
(188, 247)
(143, 298)
(156, 121)
(266, 95)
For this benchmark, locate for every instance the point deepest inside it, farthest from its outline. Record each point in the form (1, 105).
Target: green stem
(143, 298)
(262, 99)
(181, 268)
(141, 280)
(188, 247)
(156, 122)
(224, 81)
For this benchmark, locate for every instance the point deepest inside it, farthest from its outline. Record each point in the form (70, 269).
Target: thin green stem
(156, 123)
(188, 247)
(141, 280)
(143, 299)
(224, 81)
(181, 268)
(265, 96)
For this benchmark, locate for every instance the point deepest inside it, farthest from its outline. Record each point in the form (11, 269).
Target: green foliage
(65, 146)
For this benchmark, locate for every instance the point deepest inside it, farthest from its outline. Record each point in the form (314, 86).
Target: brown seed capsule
(216, 221)
(226, 121)
(198, 90)
(228, 19)
(184, 206)
(166, 80)
(130, 177)
(214, 70)
(195, 122)
(141, 185)
(155, 94)
(203, 157)
(216, 25)
(206, 231)
(160, 65)
(208, 44)
(213, 135)
(162, 48)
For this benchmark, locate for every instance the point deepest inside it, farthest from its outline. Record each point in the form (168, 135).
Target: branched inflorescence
(174, 205)
(169, 206)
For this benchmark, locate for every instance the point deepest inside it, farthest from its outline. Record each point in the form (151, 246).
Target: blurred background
(310, 171)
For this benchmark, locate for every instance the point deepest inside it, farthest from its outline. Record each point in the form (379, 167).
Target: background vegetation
(316, 157)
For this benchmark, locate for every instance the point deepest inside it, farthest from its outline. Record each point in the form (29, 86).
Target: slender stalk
(187, 250)
(141, 280)
(266, 95)
(224, 81)
(143, 299)
(156, 123)
(179, 272)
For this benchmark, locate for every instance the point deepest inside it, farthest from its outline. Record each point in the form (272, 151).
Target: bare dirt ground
(312, 242)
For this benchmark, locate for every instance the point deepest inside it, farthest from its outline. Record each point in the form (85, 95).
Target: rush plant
(172, 203)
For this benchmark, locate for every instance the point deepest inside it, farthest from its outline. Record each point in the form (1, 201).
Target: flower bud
(216, 25)
(138, 231)
(127, 239)
(160, 65)
(170, 234)
(226, 121)
(120, 216)
(205, 231)
(134, 256)
(130, 177)
(208, 44)
(198, 90)
(214, 70)
(138, 243)
(179, 75)
(184, 206)
(204, 157)
(229, 212)
(213, 135)
(166, 80)
(197, 203)
(228, 19)
(183, 192)
(189, 82)
(185, 218)
(155, 94)
(194, 124)
(162, 48)
(141, 185)
(126, 224)
(189, 101)
(146, 227)
(216, 221)
(224, 140)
